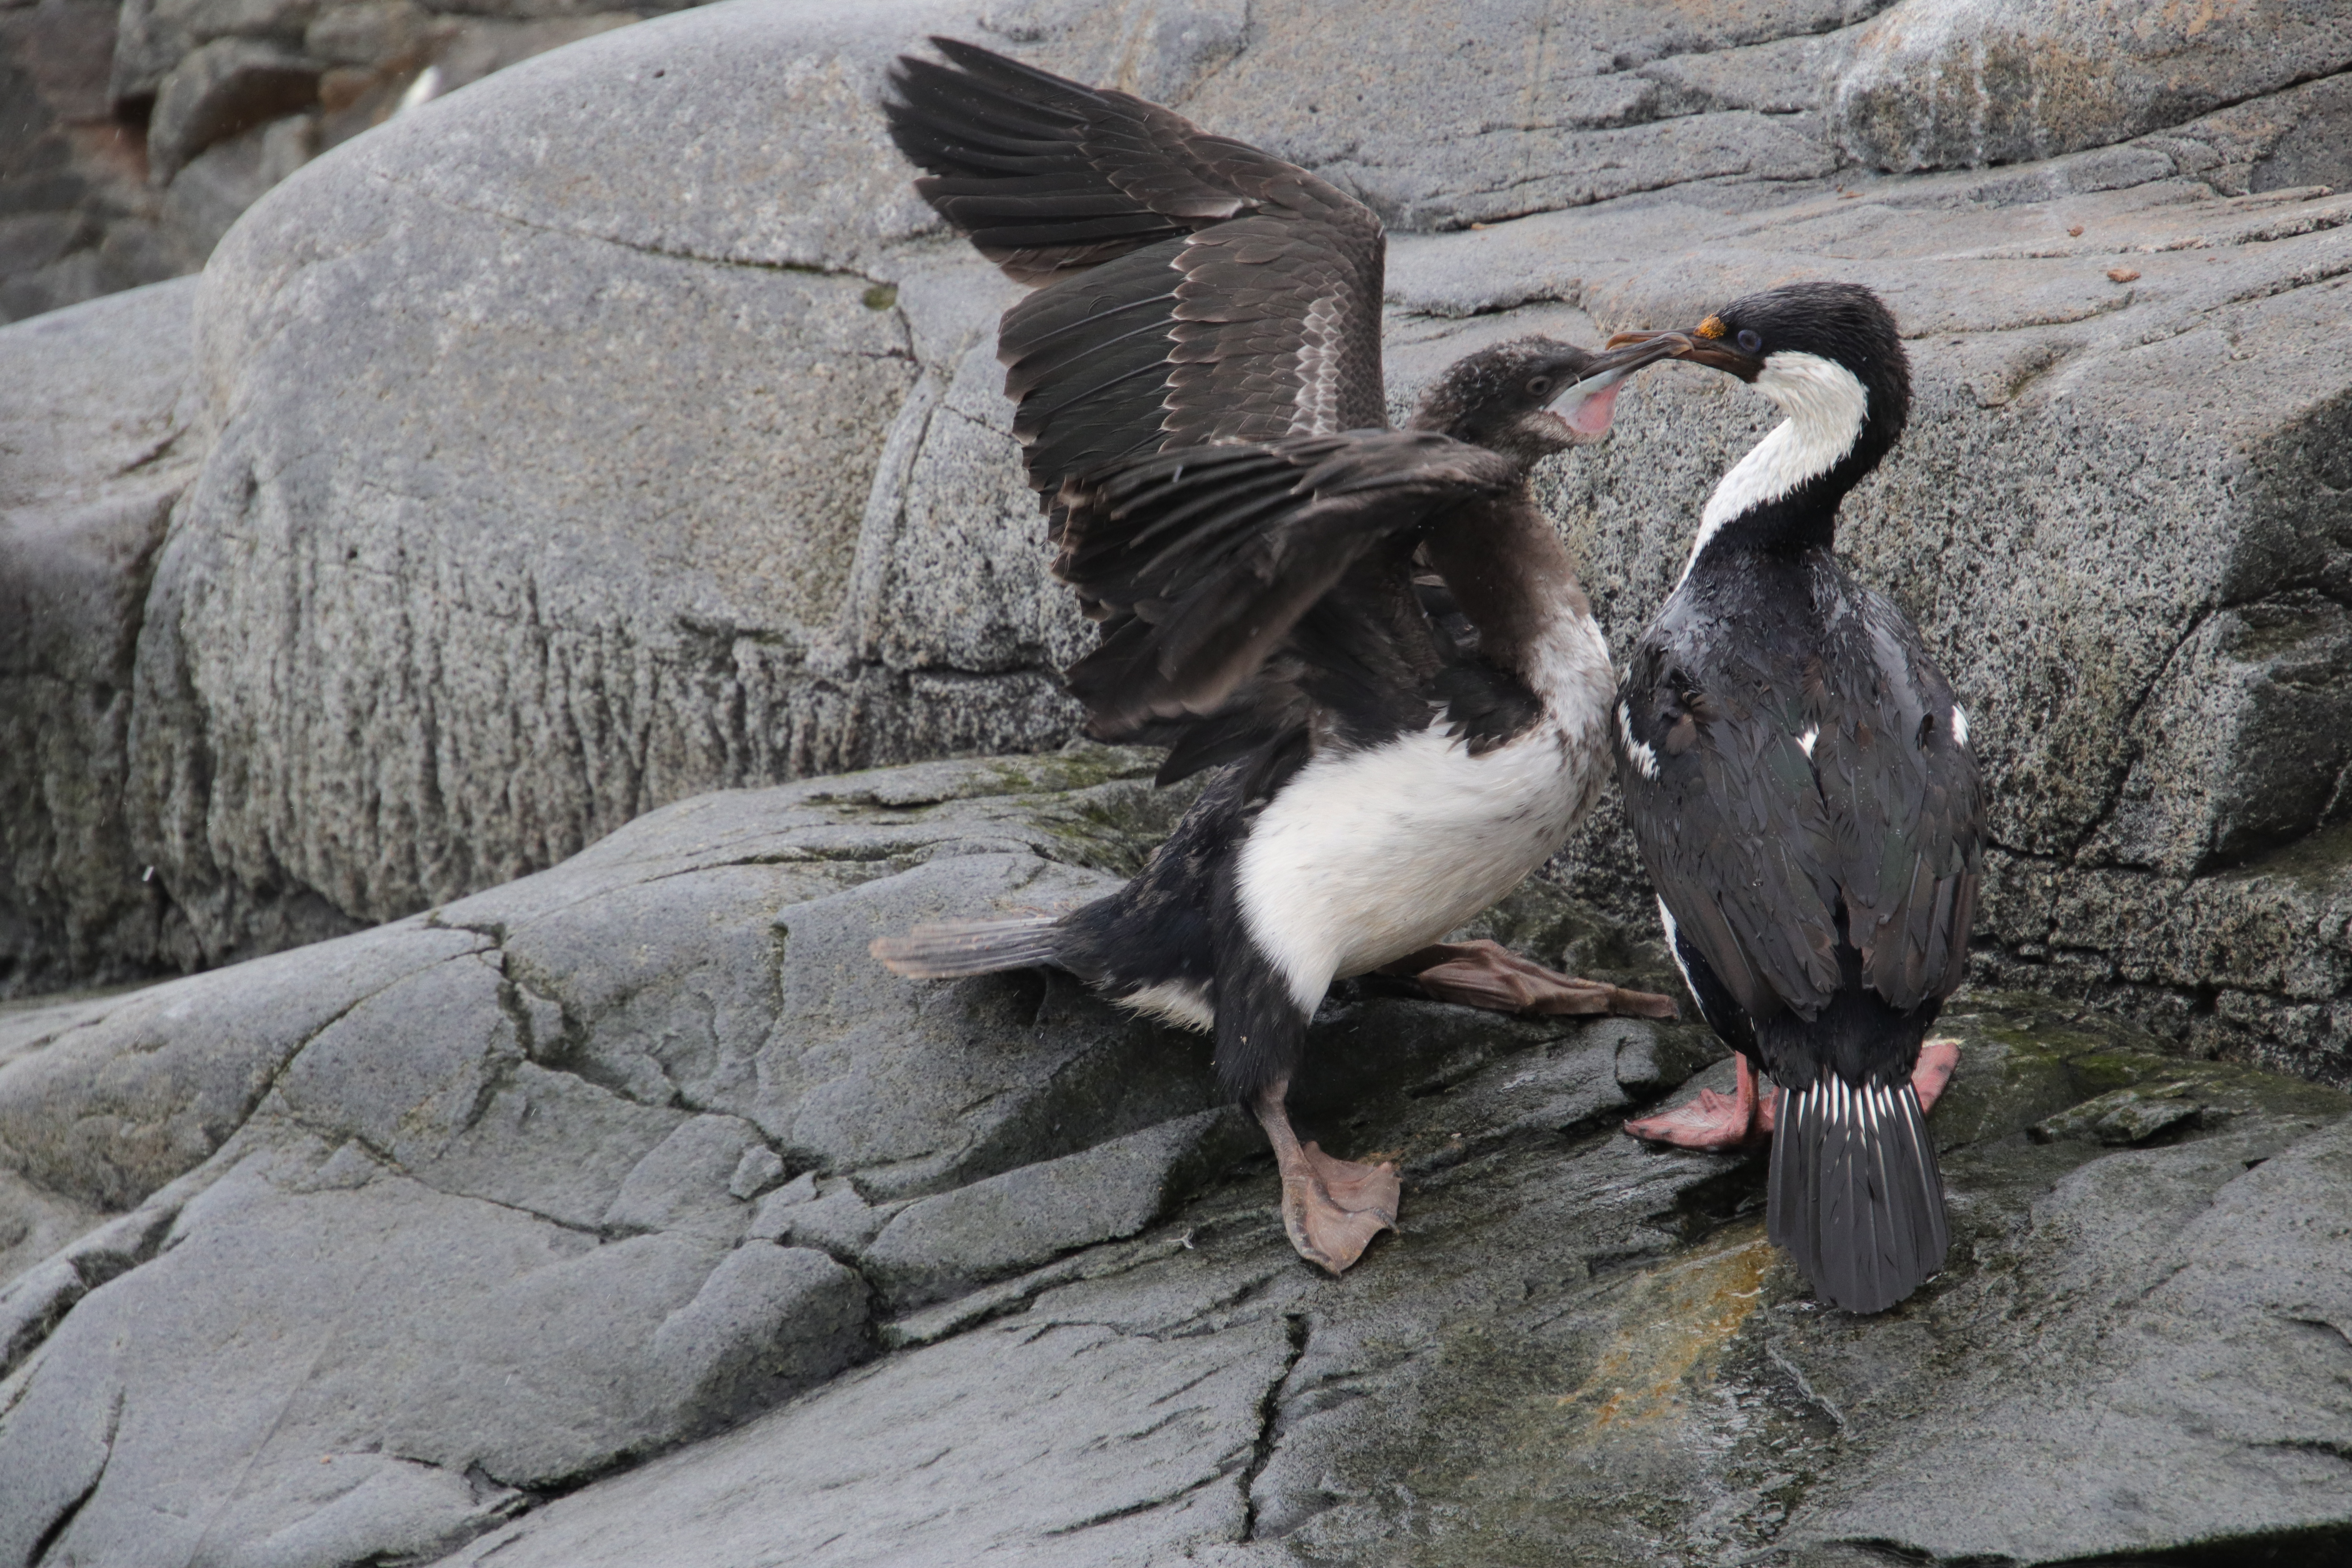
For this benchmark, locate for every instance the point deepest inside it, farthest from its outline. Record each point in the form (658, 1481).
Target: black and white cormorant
(1801, 785)
(1372, 634)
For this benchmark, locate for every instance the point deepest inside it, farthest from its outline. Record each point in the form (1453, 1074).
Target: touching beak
(1694, 347)
(1589, 403)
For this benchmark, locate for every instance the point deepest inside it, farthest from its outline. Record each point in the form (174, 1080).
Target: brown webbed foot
(1713, 1122)
(1331, 1208)
(1485, 974)
(1938, 1058)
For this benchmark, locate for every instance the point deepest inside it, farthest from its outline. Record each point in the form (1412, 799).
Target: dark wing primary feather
(1048, 175)
(1201, 289)
(1759, 848)
(1214, 570)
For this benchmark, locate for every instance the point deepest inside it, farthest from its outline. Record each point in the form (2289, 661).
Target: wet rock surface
(629, 1213)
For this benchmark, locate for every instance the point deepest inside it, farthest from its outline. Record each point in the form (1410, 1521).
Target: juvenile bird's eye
(1750, 340)
(1538, 386)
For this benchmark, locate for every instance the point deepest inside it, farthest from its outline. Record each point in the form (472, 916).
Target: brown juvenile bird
(1371, 634)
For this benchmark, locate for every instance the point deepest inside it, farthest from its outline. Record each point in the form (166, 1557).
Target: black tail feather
(1856, 1197)
(955, 948)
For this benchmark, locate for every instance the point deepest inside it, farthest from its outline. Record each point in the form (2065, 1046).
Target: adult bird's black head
(1828, 355)
(1530, 397)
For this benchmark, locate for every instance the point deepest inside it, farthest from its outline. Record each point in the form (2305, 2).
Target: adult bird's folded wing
(1905, 789)
(1720, 792)
(1200, 289)
(1203, 564)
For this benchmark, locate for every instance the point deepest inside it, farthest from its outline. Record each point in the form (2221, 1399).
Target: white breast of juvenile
(1826, 404)
(1365, 856)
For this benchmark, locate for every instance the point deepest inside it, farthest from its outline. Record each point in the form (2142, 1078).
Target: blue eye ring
(1751, 342)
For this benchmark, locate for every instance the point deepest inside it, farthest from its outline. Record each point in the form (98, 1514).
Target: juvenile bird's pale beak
(1589, 403)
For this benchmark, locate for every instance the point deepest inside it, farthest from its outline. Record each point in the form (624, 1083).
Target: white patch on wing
(1316, 412)
(1185, 1004)
(1674, 946)
(1365, 856)
(1808, 737)
(1826, 404)
(1643, 757)
(1959, 726)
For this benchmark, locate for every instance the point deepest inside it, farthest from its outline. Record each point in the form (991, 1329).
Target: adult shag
(1370, 633)
(1799, 782)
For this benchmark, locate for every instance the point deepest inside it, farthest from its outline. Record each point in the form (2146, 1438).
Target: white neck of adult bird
(1826, 406)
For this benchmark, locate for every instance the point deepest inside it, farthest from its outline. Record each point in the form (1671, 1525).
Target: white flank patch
(1643, 757)
(1366, 855)
(1959, 726)
(1826, 404)
(1808, 737)
(1181, 1003)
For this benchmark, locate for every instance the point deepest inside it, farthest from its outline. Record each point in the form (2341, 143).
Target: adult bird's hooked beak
(1589, 401)
(1707, 343)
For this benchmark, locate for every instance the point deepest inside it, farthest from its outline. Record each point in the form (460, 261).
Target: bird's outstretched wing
(1196, 290)
(1213, 568)
(1779, 812)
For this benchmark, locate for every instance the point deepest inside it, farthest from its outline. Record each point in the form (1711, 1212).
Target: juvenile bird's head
(1533, 396)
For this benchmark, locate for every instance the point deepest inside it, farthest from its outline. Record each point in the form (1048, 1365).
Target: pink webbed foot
(1938, 1058)
(1747, 1115)
(1485, 974)
(1713, 1122)
(1331, 1209)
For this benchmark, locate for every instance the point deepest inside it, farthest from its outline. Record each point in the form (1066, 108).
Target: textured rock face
(91, 458)
(629, 1213)
(1938, 84)
(541, 487)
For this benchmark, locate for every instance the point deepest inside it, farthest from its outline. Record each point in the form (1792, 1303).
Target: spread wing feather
(1212, 570)
(1768, 854)
(1200, 289)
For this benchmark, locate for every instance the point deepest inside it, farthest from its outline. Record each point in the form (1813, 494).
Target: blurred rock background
(132, 134)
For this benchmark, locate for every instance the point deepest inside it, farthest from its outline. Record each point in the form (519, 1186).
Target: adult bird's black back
(1371, 634)
(1800, 781)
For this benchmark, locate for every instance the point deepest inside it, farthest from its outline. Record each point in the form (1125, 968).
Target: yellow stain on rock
(1676, 1319)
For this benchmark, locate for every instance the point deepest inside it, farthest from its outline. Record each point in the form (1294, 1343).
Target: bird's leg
(1485, 974)
(1749, 1113)
(1938, 1058)
(1714, 1121)
(1332, 1209)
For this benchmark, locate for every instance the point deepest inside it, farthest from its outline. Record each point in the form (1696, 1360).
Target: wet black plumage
(1796, 775)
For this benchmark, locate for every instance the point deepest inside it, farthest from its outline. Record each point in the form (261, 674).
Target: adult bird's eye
(1750, 340)
(1538, 386)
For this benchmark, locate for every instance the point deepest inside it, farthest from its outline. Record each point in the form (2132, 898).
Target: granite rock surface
(92, 456)
(538, 487)
(628, 1213)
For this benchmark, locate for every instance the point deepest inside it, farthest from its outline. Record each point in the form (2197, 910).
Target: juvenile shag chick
(1370, 633)
(1801, 785)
